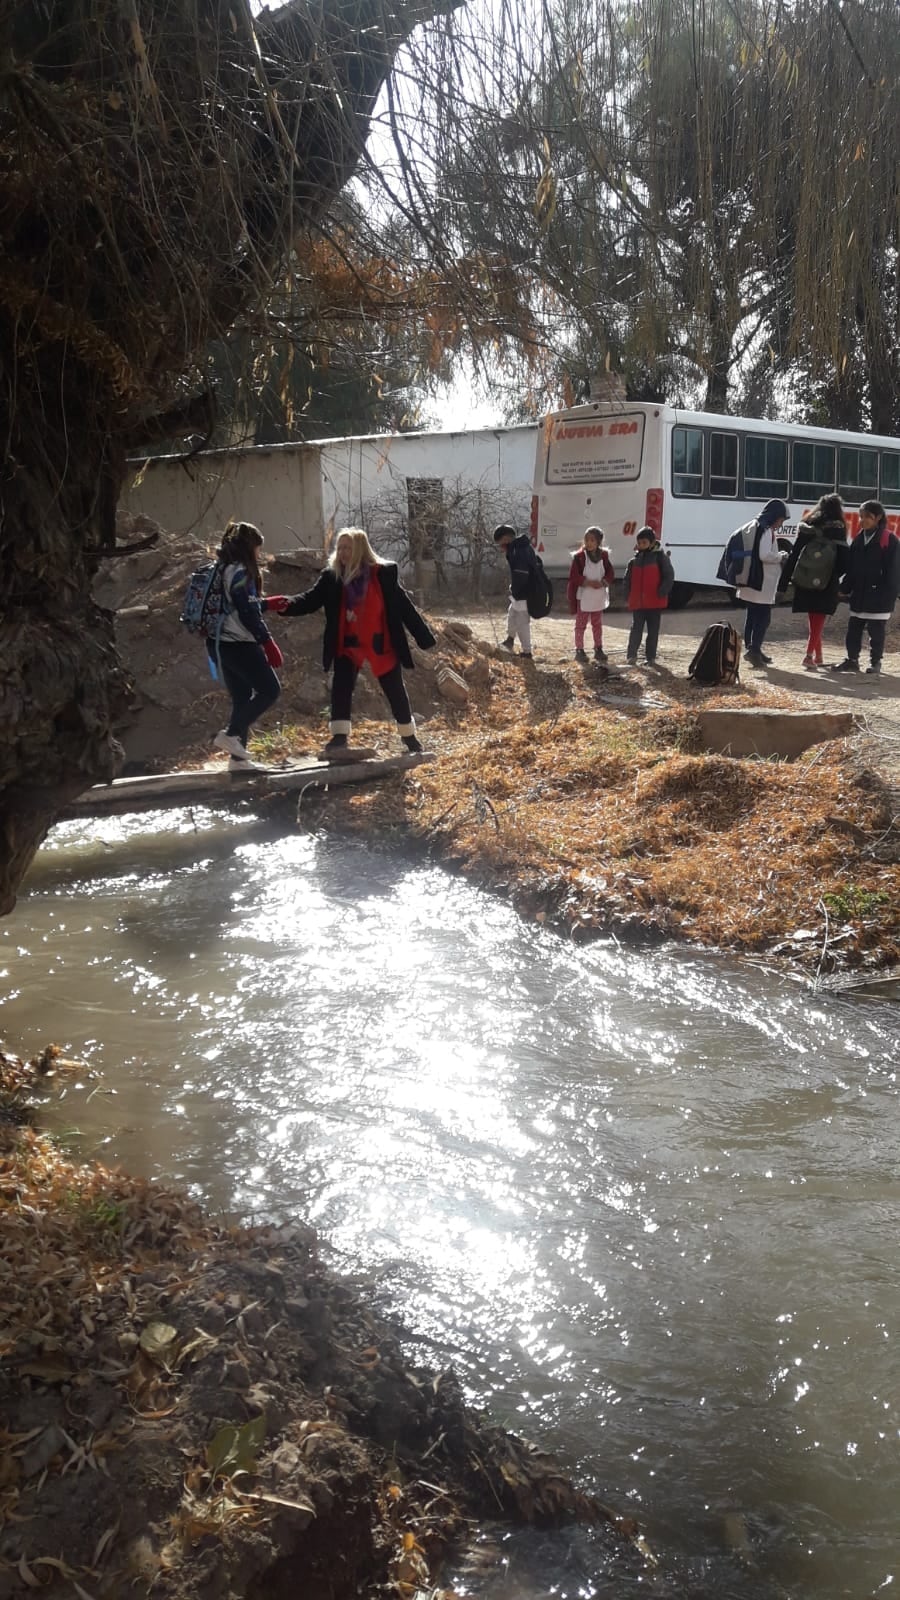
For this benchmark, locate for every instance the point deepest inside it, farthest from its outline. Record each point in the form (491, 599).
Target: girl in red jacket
(648, 583)
(590, 576)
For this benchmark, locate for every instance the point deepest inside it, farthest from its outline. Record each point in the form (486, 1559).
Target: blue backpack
(205, 604)
(733, 558)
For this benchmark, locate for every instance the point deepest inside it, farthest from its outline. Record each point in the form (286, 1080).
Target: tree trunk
(59, 675)
(157, 161)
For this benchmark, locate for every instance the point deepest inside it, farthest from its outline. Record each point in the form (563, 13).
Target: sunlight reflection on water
(645, 1203)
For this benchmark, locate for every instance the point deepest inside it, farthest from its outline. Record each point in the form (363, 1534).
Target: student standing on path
(522, 571)
(245, 652)
(760, 574)
(648, 583)
(871, 583)
(590, 576)
(815, 566)
(367, 615)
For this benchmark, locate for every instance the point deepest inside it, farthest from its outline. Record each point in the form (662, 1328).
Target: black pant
(877, 630)
(391, 683)
(638, 621)
(250, 681)
(756, 626)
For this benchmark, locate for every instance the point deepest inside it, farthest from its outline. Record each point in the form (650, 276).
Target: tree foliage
(706, 192)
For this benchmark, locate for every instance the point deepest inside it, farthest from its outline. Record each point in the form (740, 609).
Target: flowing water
(646, 1203)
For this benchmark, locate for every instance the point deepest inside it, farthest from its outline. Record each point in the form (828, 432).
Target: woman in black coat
(367, 614)
(871, 583)
(823, 536)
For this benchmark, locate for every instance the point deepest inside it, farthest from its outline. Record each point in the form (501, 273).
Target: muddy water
(647, 1204)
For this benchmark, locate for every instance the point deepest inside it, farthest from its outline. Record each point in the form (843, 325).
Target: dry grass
(601, 818)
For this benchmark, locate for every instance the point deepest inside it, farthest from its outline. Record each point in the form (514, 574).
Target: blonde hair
(361, 553)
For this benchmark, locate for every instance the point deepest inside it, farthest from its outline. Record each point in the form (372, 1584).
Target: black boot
(413, 745)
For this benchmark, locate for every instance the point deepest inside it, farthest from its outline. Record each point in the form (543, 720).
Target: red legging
(817, 621)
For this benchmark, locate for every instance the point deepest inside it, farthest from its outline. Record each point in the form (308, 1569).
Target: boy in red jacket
(649, 577)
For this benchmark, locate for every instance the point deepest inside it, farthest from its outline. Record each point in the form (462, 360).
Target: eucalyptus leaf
(157, 1340)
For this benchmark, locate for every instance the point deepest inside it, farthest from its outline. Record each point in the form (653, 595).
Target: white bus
(693, 477)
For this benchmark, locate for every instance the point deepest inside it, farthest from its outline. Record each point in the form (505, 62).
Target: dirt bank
(583, 793)
(193, 1410)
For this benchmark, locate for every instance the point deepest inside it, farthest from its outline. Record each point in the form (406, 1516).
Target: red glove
(276, 602)
(273, 654)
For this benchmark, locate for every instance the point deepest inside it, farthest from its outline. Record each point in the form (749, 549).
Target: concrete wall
(299, 494)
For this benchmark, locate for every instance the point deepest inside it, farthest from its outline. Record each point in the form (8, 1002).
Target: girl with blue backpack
(243, 650)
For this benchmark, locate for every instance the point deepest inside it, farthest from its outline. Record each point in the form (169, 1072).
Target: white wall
(297, 494)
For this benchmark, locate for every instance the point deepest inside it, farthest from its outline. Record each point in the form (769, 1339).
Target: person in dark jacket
(823, 535)
(522, 572)
(244, 651)
(871, 583)
(367, 616)
(648, 583)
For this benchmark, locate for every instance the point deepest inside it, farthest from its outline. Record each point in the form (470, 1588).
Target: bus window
(813, 471)
(687, 461)
(890, 480)
(765, 468)
(723, 465)
(858, 473)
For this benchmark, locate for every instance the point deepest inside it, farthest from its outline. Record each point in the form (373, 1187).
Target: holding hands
(276, 602)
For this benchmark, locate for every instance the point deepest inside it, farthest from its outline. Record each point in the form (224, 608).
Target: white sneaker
(237, 765)
(231, 744)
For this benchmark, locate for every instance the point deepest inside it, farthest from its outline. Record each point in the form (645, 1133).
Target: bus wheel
(681, 595)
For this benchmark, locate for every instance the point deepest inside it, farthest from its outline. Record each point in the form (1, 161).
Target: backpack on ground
(539, 599)
(205, 605)
(815, 564)
(718, 656)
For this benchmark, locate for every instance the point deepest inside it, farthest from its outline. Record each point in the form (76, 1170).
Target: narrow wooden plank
(159, 790)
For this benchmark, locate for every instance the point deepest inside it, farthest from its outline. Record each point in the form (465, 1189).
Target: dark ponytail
(240, 543)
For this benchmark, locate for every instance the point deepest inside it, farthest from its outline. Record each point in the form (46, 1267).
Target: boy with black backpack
(524, 571)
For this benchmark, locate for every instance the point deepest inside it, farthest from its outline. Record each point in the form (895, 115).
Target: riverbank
(196, 1409)
(584, 794)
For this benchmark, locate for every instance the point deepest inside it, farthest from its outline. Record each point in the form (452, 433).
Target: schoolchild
(523, 568)
(367, 616)
(245, 652)
(648, 583)
(590, 576)
(871, 583)
(759, 577)
(816, 576)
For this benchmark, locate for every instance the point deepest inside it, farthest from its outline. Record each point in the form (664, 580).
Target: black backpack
(539, 599)
(718, 656)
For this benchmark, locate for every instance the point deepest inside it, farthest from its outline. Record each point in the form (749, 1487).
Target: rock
(235, 1375)
(457, 632)
(452, 686)
(785, 734)
(478, 672)
(285, 1460)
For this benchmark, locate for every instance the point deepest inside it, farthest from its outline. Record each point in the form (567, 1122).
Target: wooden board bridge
(220, 786)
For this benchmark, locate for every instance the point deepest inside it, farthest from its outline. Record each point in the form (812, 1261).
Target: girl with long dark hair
(244, 652)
